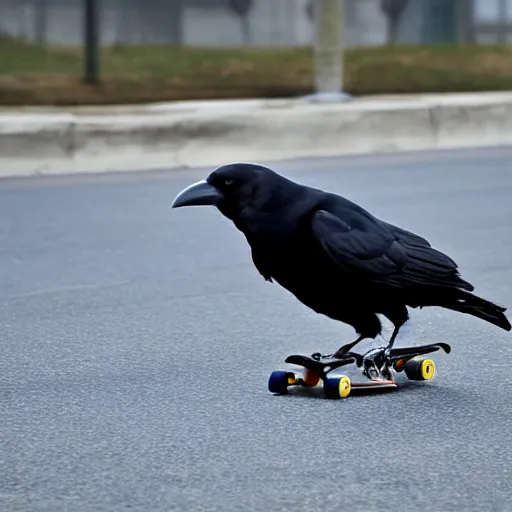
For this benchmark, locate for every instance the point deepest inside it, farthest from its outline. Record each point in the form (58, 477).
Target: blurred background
(195, 49)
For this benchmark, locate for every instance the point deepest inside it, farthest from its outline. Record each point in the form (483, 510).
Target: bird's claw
(335, 355)
(318, 356)
(377, 364)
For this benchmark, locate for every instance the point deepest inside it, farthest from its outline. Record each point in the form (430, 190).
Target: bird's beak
(198, 194)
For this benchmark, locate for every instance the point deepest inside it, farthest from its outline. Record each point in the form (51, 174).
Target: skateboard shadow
(317, 392)
(403, 386)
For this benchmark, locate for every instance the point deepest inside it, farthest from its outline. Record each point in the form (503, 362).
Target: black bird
(334, 256)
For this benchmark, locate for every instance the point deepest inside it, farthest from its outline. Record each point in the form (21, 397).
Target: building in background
(252, 22)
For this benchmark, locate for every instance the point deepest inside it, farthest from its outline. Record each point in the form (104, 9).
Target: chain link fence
(212, 48)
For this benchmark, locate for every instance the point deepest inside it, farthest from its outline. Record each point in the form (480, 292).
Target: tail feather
(431, 278)
(470, 304)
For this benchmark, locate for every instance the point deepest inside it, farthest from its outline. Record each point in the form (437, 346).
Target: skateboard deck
(409, 352)
(319, 365)
(325, 366)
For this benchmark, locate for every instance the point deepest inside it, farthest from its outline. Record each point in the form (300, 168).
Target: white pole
(502, 21)
(328, 18)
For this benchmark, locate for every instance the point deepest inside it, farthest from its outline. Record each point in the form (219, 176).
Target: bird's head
(232, 189)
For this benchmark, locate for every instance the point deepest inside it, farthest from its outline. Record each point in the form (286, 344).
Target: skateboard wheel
(311, 378)
(420, 369)
(279, 381)
(399, 365)
(337, 387)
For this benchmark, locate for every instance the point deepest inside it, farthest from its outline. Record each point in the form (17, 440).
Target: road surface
(137, 342)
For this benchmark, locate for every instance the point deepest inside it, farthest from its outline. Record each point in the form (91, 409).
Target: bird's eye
(229, 182)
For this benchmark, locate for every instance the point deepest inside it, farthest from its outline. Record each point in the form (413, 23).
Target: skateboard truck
(377, 365)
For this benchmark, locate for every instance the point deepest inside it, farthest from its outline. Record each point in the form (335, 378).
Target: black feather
(337, 258)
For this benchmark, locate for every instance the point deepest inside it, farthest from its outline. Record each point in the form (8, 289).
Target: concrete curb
(63, 141)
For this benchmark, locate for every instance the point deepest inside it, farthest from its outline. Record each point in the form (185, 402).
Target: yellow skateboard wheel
(420, 369)
(337, 387)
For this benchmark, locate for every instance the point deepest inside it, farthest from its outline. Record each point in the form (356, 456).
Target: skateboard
(379, 371)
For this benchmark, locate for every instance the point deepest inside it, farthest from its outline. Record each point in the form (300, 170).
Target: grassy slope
(43, 76)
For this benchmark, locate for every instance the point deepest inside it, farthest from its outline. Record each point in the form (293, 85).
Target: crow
(333, 255)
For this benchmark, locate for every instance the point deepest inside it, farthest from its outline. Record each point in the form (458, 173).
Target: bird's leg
(342, 351)
(391, 342)
(376, 362)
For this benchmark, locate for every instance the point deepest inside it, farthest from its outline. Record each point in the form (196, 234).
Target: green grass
(35, 75)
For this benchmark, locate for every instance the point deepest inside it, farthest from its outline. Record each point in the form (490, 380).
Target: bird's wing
(382, 252)
(359, 244)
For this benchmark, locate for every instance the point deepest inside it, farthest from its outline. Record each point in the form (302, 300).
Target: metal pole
(328, 17)
(91, 33)
(41, 21)
(502, 21)
(460, 21)
(465, 21)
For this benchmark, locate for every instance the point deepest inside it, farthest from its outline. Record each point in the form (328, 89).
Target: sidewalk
(175, 135)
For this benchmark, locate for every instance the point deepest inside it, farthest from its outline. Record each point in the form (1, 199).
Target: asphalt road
(136, 344)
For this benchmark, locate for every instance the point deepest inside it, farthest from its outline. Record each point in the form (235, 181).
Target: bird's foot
(336, 356)
(377, 365)
(339, 354)
(321, 357)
